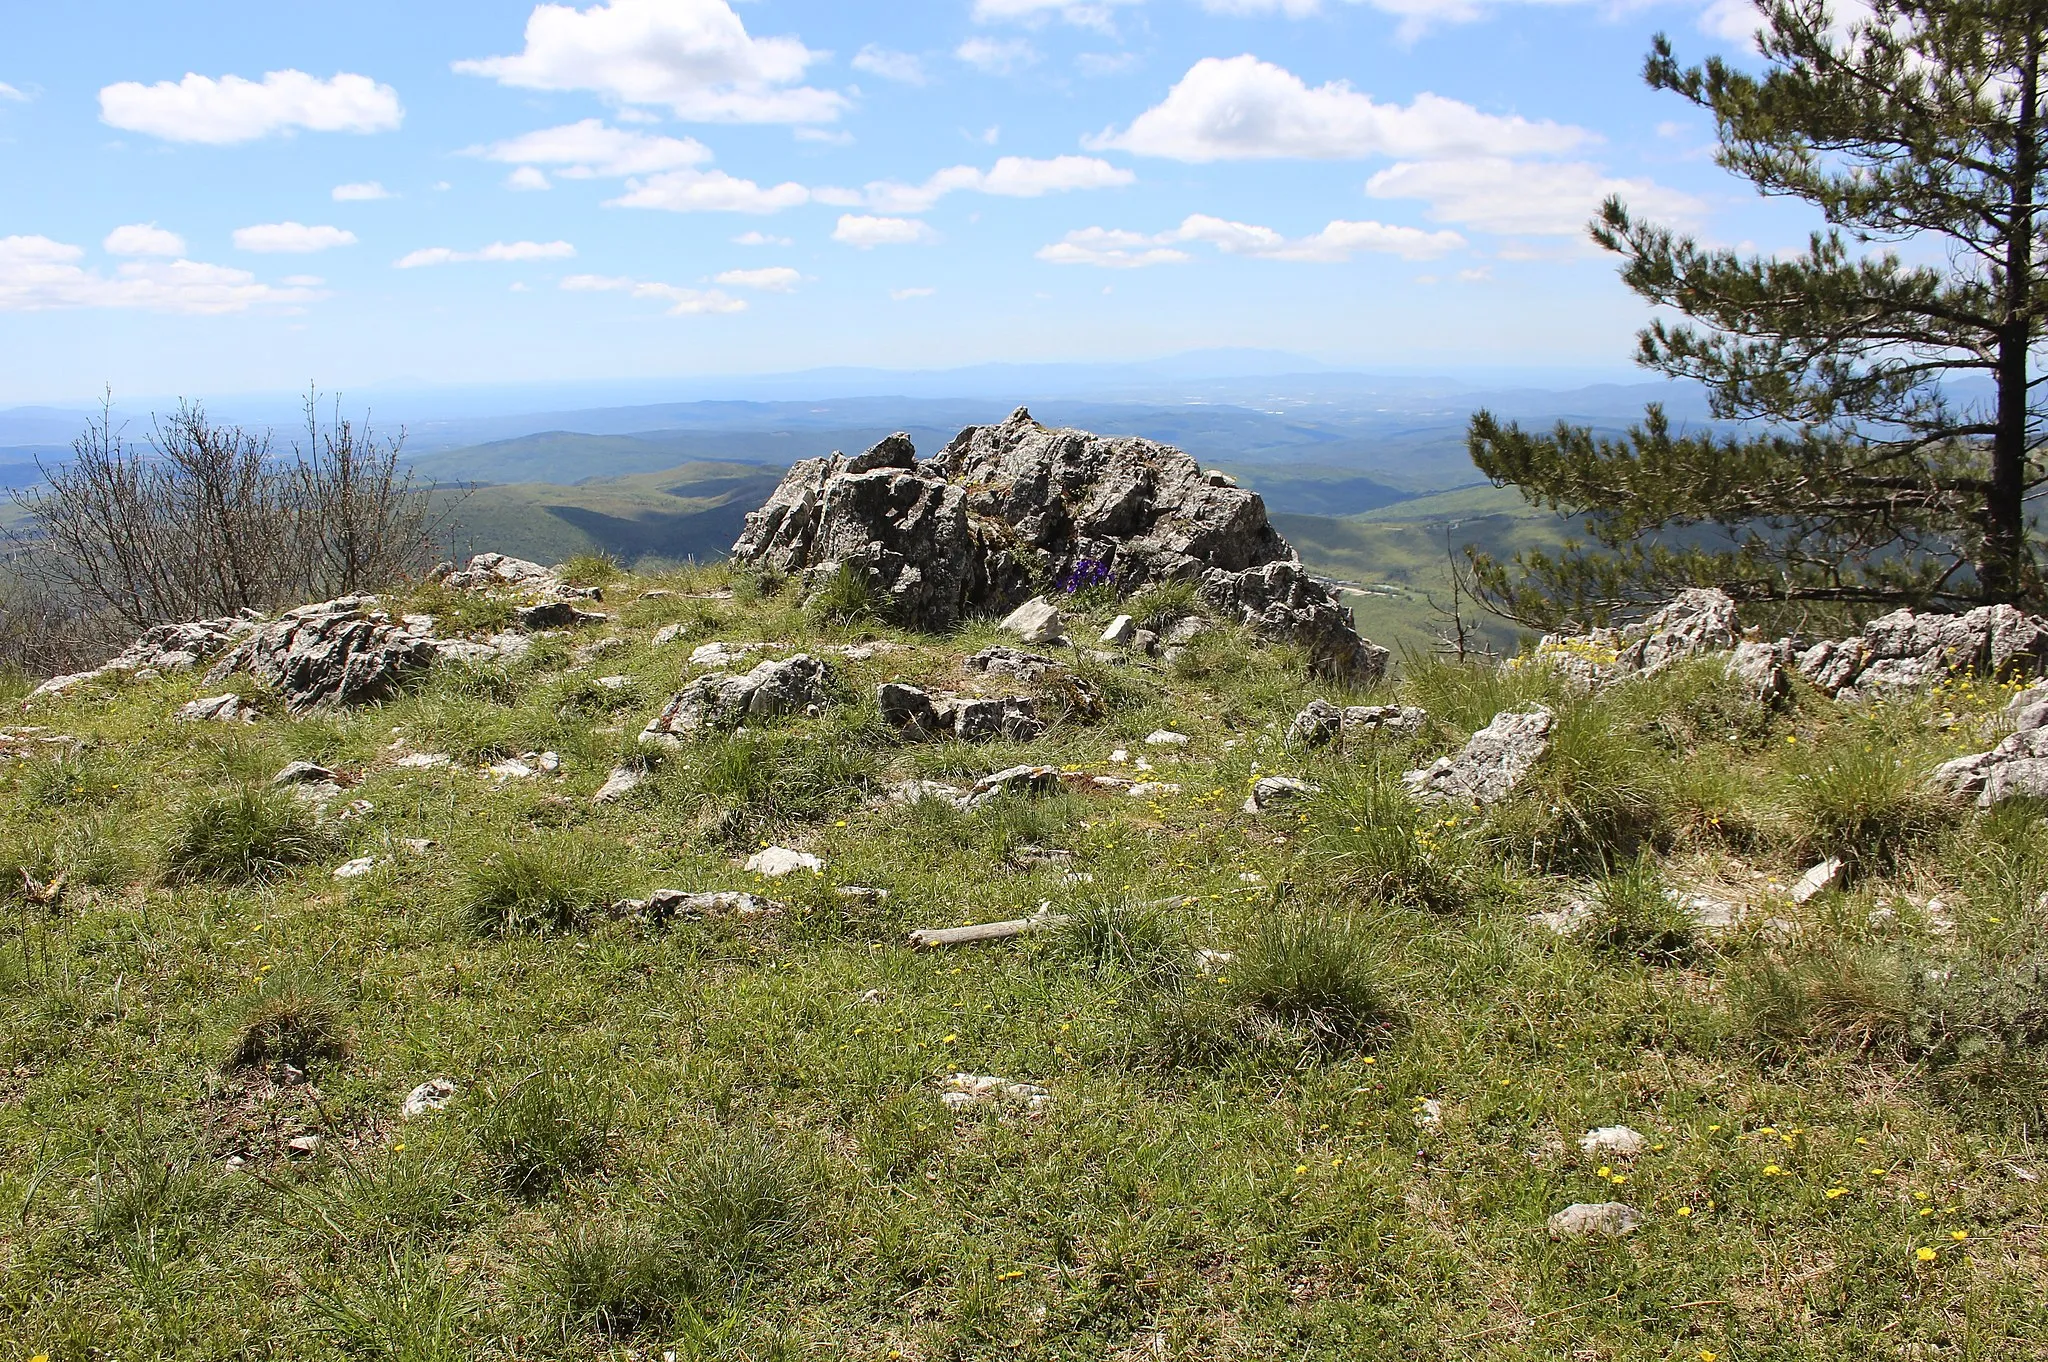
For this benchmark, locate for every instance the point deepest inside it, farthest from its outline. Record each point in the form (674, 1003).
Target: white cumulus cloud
(1086, 13)
(528, 178)
(997, 56)
(232, 109)
(143, 238)
(904, 295)
(772, 279)
(708, 191)
(898, 66)
(591, 148)
(1337, 242)
(12, 93)
(761, 239)
(1538, 198)
(866, 232)
(496, 252)
(291, 238)
(365, 191)
(1016, 177)
(1241, 108)
(1334, 244)
(1111, 248)
(692, 57)
(38, 274)
(683, 302)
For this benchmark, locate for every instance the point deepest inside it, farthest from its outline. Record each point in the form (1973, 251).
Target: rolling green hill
(673, 515)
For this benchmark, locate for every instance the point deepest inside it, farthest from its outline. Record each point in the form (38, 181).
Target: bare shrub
(207, 520)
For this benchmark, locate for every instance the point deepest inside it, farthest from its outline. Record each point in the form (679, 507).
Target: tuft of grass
(1374, 841)
(1980, 1029)
(752, 781)
(543, 886)
(1634, 915)
(1160, 604)
(741, 1200)
(846, 597)
(409, 1308)
(1131, 937)
(592, 569)
(613, 1279)
(1834, 996)
(542, 1131)
(69, 781)
(1858, 798)
(1324, 977)
(1597, 797)
(289, 1022)
(246, 835)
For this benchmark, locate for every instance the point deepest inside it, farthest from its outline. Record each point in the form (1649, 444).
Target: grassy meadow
(1317, 1079)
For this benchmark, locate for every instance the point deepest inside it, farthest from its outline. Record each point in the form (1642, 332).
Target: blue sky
(210, 198)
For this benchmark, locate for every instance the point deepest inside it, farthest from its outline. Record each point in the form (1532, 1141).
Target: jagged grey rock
(1610, 1218)
(1905, 650)
(1119, 631)
(907, 709)
(1321, 723)
(962, 1091)
(431, 1096)
(1696, 621)
(1038, 620)
(1620, 1142)
(1281, 602)
(720, 702)
(221, 709)
(2016, 768)
(339, 652)
(1492, 763)
(972, 719)
(970, 531)
(496, 571)
(1012, 780)
(664, 906)
(1817, 878)
(1274, 791)
(1001, 661)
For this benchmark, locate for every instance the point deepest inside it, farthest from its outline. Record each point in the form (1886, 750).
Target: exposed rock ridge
(1003, 509)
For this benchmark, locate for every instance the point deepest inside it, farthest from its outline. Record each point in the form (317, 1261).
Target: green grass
(1317, 1081)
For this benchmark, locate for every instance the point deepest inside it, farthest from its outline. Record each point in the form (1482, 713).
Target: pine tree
(1880, 384)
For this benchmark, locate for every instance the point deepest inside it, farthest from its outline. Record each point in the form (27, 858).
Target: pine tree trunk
(2003, 573)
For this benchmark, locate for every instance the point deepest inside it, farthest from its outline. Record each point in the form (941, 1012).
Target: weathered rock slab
(1492, 763)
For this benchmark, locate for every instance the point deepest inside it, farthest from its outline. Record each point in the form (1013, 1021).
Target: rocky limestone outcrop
(1907, 651)
(2016, 768)
(1321, 723)
(339, 652)
(972, 530)
(914, 714)
(160, 650)
(497, 572)
(1697, 621)
(1281, 602)
(721, 702)
(1493, 762)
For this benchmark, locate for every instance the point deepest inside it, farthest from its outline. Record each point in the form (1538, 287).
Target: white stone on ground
(1611, 1218)
(1614, 1141)
(1816, 879)
(356, 869)
(430, 1096)
(1166, 737)
(618, 785)
(775, 862)
(963, 1091)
